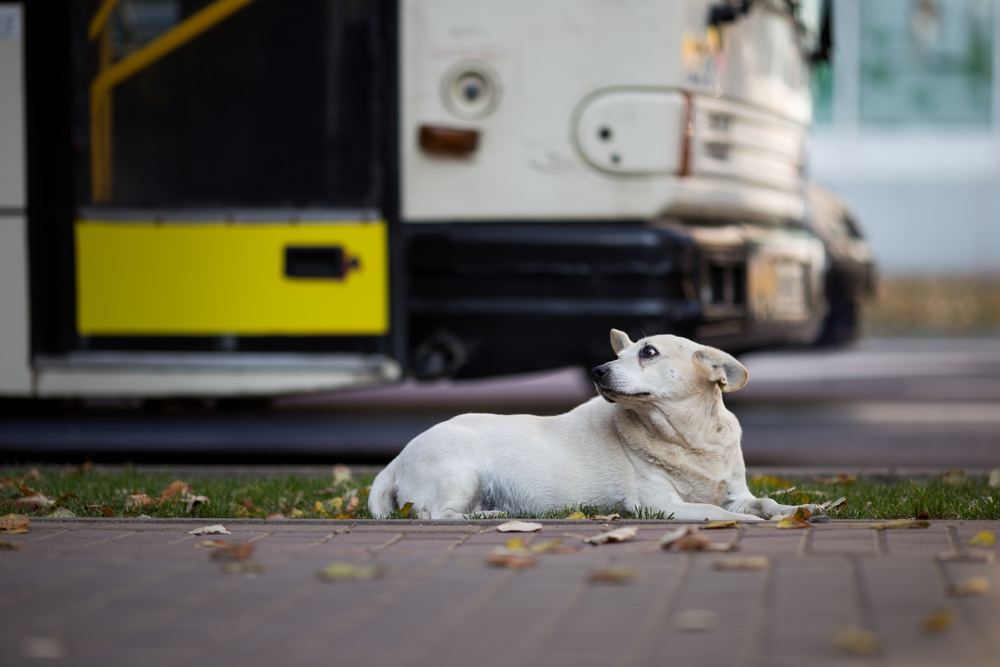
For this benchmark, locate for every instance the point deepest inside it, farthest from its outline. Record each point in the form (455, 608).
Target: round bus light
(471, 90)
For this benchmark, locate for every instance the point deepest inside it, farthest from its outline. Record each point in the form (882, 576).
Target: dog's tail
(382, 497)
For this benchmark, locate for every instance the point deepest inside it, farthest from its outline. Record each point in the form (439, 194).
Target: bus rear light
(447, 140)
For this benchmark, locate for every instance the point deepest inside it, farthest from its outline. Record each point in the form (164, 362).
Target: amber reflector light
(448, 140)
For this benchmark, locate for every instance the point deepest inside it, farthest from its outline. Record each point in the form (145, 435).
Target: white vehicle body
(687, 129)
(736, 100)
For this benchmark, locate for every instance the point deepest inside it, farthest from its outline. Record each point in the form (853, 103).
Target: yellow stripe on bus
(143, 278)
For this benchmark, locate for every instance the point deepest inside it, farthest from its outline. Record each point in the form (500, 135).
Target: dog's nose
(598, 372)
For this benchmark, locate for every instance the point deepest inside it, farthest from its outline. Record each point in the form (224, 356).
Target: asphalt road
(881, 403)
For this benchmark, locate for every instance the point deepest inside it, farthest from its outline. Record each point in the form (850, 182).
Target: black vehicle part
(505, 298)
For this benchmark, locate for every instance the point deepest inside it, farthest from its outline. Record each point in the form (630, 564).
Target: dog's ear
(721, 368)
(619, 341)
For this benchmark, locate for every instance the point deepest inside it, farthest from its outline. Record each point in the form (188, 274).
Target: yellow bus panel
(254, 279)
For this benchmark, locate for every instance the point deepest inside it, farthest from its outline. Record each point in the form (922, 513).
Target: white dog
(661, 438)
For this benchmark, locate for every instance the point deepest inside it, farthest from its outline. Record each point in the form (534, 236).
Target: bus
(225, 198)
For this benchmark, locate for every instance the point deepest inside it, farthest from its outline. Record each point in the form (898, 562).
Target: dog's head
(664, 367)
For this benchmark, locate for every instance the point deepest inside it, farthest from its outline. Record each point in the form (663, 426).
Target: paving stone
(860, 541)
(120, 596)
(924, 542)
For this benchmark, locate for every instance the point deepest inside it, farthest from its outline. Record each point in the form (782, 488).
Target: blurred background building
(907, 128)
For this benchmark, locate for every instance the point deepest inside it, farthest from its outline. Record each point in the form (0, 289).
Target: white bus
(255, 197)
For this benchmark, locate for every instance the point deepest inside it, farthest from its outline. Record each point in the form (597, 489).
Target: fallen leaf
(576, 516)
(519, 527)
(983, 539)
(62, 513)
(895, 525)
(856, 640)
(516, 543)
(837, 504)
(63, 498)
(514, 559)
(105, 510)
(352, 507)
(970, 586)
(994, 478)
(192, 501)
(217, 529)
(696, 620)
(605, 517)
(842, 479)
(770, 480)
(238, 551)
(241, 567)
(13, 546)
(138, 499)
(940, 620)
(37, 500)
(175, 488)
(715, 525)
(33, 474)
(296, 514)
(690, 539)
(923, 515)
(745, 563)
(613, 575)
(25, 489)
(350, 572)
(404, 511)
(617, 535)
(954, 476)
(13, 522)
(798, 520)
(342, 474)
(277, 516)
(211, 544)
(553, 547)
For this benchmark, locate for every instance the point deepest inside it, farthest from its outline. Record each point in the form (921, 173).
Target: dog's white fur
(658, 436)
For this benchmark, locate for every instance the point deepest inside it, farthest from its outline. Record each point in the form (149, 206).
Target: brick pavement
(135, 592)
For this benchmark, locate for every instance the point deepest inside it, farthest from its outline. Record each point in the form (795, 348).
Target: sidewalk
(139, 592)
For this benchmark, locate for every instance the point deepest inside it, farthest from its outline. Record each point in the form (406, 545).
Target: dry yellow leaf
(212, 544)
(241, 567)
(514, 559)
(983, 539)
(175, 488)
(14, 522)
(798, 520)
(696, 620)
(13, 546)
(613, 575)
(617, 535)
(856, 640)
(940, 620)
(577, 515)
(970, 586)
(238, 551)
(746, 563)
(138, 499)
(715, 525)
(516, 543)
(351, 572)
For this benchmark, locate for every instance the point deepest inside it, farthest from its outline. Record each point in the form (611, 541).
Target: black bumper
(488, 299)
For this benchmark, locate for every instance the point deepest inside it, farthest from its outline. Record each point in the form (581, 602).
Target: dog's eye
(649, 351)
